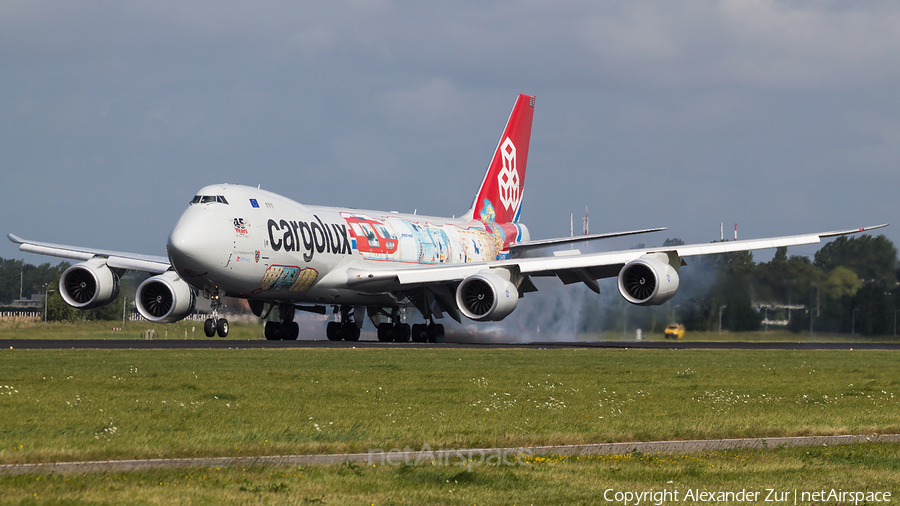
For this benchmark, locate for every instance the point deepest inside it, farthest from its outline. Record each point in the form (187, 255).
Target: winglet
(854, 231)
(14, 238)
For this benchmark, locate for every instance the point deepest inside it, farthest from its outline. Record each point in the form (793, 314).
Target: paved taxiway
(163, 344)
(445, 457)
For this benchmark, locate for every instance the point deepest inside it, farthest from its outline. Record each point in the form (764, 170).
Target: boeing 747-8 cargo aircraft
(252, 244)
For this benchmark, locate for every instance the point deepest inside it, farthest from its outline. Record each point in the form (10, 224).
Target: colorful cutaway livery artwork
(401, 240)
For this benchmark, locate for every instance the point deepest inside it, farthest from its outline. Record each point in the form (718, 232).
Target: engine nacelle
(648, 281)
(165, 298)
(89, 285)
(486, 296)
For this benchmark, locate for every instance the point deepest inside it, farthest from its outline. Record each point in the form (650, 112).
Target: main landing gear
(427, 333)
(215, 325)
(347, 329)
(285, 330)
(395, 330)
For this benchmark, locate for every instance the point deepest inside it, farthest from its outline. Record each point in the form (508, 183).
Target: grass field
(553, 480)
(18, 329)
(117, 404)
(100, 404)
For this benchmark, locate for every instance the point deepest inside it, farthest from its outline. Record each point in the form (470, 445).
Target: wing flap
(519, 248)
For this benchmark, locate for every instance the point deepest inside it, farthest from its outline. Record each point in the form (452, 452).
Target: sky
(780, 116)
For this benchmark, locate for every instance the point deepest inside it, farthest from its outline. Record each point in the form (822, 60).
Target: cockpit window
(209, 199)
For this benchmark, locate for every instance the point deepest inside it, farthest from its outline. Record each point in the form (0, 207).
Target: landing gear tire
(273, 331)
(209, 327)
(333, 331)
(291, 331)
(420, 333)
(222, 327)
(349, 331)
(401, 332)
(435, 332)
(385, 332)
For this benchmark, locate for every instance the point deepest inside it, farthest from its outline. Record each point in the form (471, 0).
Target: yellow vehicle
(674, 331)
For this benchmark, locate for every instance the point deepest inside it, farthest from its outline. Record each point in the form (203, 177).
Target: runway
(176, 344)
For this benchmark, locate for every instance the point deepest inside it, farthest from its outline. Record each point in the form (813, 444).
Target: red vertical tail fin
(499, 198)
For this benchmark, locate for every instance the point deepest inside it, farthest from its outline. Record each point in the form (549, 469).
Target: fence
(20, 315)
(198, 317)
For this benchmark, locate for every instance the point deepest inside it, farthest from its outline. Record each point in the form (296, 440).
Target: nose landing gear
(215, 325)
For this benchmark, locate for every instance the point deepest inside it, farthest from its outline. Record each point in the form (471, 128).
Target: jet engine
(89, 285)
(165, 298)
(648, 281)
(485, 296)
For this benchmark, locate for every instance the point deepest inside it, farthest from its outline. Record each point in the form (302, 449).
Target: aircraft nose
(193, 244)
(183, 243)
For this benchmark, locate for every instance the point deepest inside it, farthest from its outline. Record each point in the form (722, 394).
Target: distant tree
(840, 282)
(785, 280)
(58, 310)
(859, 285)
(736, 263)
(873, 259)
(16, 275)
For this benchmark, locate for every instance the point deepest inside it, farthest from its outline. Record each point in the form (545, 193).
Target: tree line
(849, 286)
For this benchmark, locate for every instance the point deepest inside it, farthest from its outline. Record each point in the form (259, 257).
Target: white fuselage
(250, 243)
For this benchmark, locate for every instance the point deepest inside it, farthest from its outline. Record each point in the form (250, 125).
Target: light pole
(46, 301)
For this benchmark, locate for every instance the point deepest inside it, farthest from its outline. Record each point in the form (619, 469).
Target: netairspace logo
(768, 495)
(467, 457)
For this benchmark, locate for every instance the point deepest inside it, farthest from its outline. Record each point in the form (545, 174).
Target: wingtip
(853, 231)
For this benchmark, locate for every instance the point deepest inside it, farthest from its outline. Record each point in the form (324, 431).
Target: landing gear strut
(215, 325)
(347, 329)
(285, 330)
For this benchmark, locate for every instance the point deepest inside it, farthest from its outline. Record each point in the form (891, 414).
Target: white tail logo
(509, 177)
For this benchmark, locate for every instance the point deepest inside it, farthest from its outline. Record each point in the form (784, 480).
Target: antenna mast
(587, 227)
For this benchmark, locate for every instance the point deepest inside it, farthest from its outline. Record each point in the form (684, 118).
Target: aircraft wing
(114, 259)
(570, 268)
(521, 247)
